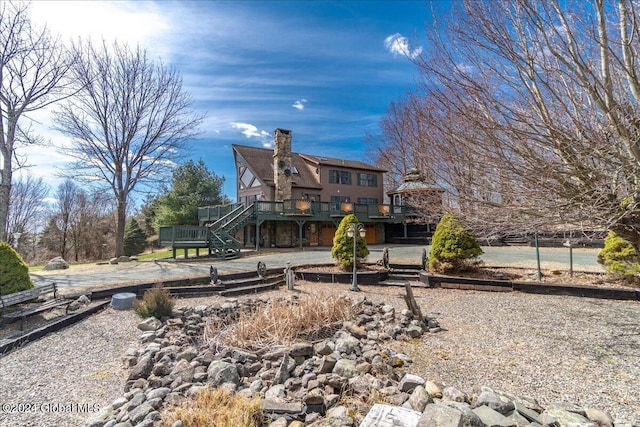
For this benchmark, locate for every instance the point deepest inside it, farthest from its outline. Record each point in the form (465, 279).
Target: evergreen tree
(620, 258)
(14, 273)
(452, 246)
(135, 239)
(192, 186)
(342, 249)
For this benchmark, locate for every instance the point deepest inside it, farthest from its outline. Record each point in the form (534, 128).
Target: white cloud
(399, 45)
(299, 104)
(133, 22)
(251, 131)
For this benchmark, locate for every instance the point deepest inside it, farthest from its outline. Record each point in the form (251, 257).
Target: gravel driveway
(552, 348)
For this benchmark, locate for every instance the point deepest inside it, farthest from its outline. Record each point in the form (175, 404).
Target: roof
(352, 164)
(413, 182)
(260, 160)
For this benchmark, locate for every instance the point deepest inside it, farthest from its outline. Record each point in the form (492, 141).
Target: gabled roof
(260, 161)
(351, 164)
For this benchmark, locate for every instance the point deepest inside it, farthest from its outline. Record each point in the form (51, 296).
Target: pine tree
(135, 239)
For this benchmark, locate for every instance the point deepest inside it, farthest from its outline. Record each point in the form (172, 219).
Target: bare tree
(129, 123)
(80, 225)
(66, 211)
(32, 66)
(531, 111)
(25, 211)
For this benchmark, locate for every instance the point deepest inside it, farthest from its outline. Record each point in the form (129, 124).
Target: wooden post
(411, 302)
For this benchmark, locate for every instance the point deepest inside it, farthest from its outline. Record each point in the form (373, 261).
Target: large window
(367, 201)
(339, 177)
(367, 180)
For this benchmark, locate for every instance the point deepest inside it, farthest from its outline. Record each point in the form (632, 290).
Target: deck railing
(213, 213)
(183, 235)
(321, 211)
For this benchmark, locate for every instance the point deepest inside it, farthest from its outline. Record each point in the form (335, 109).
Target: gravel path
(552, 348)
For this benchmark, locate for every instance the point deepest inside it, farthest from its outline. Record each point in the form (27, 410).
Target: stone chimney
(282, 163)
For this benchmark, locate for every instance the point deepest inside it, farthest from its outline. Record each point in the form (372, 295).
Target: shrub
(14, 273)
(156, 302)
(620, 258)
(453, 246)
(342, 249)
(217, 407)
(135, 239)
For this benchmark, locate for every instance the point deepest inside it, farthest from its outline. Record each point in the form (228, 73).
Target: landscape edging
(466, 283)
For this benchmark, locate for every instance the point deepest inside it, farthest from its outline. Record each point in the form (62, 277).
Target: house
(315, 193)
(290, 199)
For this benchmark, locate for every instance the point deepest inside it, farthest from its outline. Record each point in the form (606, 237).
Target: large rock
(410, 382)
(345, 368)
(380, 415)
(183, 370)
(419, 399)
(142, 368)
(562, 416)
(150, 324)
(57, 263)
(220, 372)
(492, 417)
(347, 343)
(435, 415)
(496, 402)
(282, 373)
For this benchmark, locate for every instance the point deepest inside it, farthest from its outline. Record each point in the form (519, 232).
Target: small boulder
(57, 263)
(150, 324)
(220, 372)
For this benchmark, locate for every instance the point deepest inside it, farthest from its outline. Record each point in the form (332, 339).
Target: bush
(620, 258)
(342, 249)
(453, 245)
(156, 302)
(14, 273)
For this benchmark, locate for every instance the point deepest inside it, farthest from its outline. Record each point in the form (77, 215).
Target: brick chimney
(282, 163)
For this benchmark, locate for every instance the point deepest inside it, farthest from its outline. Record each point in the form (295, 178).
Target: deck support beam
(258, 224)
(301, 223)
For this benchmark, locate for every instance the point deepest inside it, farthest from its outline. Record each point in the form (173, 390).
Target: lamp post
(16, 237)
(354, 230)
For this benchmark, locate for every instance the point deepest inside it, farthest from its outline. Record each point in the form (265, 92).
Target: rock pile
(330, 381)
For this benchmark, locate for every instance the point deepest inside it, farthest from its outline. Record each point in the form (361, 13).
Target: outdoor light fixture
(354, 230)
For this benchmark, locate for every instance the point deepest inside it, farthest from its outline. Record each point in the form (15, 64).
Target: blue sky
(327, 70)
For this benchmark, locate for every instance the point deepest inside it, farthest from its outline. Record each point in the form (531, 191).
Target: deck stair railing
(222, 241)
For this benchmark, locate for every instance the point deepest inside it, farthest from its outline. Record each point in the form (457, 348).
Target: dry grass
(217, 407)
(280, 322)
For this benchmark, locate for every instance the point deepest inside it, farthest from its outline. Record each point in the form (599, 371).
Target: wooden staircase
(222, 242)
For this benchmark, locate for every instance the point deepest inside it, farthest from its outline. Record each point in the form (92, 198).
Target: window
(339, 199)
(367, 201)
(339, 177)
(367, 180)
